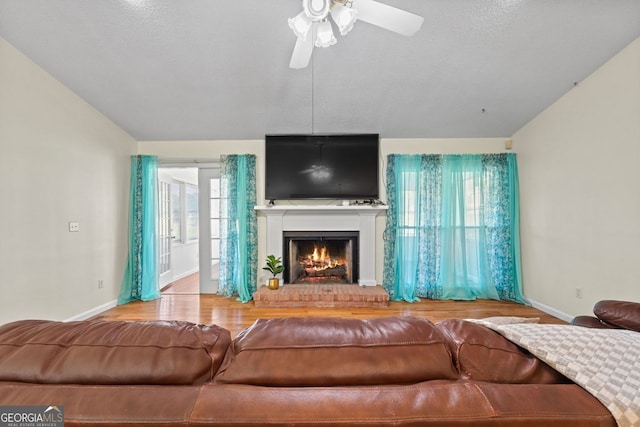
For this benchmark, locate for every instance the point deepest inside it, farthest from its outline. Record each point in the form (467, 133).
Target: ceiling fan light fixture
(300, 24)
(314, 18)
(316, 10)
(324, 36)
(344, 17)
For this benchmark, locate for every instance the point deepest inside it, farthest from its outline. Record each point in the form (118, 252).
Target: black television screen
(321, 166)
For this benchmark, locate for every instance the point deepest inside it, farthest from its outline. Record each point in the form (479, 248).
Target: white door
(209, 212)
(164, 230)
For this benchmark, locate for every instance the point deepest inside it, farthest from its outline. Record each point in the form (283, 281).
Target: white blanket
(605, 362)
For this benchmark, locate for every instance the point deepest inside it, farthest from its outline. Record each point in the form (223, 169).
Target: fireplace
(320, 257)
(322, 218)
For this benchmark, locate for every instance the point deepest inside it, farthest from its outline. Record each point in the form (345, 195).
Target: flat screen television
(316, 166)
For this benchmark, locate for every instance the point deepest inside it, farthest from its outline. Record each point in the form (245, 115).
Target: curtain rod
(165, 161)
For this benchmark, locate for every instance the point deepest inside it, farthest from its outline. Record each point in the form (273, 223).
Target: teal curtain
(410, 230)
(452, 228)
(238, 227)
(140, 280)
(503, 225)
(464, 257)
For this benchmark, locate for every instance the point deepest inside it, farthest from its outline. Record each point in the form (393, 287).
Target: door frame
(204, 233)
(208, 282)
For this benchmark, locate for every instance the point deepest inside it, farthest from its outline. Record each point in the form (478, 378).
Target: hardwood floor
(236, 316)
(187, 285)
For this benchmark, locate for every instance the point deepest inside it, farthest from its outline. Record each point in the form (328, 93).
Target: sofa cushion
(86, 352)
(623, 314)
(482, 354)
(335, 351)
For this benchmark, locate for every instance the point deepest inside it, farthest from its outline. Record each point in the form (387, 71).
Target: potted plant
(275, 267)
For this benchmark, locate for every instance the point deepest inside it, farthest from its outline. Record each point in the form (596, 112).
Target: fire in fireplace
(321, 257)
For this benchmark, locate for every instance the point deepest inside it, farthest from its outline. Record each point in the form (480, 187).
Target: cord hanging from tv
(322, 166)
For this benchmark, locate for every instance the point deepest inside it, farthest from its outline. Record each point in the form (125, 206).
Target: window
(214, 200)
(176, 212)
(164, 227)
(184, 212)
(191, 214)
(452, 227)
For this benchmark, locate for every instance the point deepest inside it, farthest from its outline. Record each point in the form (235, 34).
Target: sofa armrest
(623, 314)
(591, 322)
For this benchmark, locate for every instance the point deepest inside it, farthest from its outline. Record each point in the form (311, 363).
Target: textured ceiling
(212, 69)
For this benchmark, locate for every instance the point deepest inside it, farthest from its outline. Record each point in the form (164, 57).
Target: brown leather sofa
(395, 371)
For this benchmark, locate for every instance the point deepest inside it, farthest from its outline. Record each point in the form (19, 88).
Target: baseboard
(94, 311)
(550, 310)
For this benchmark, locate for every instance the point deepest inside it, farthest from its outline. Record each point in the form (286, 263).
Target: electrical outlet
(578, 292)
(100, 284)
(74, 227)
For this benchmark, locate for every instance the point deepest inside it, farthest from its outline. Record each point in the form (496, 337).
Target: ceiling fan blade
(301, 53)
(388, 17)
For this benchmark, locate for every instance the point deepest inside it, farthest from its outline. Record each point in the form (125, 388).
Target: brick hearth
(322, 296)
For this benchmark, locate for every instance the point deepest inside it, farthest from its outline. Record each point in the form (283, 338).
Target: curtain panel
(238, 227)
(140, 280)
(452, 228)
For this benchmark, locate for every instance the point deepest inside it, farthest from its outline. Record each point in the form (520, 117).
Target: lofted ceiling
(213, 69)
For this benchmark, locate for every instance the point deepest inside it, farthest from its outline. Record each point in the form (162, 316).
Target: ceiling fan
(312, 26)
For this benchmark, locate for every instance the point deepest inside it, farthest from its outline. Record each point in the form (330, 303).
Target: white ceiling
(213, 69)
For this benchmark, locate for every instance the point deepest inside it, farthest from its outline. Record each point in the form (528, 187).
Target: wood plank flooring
(236, 316)
(187, 285)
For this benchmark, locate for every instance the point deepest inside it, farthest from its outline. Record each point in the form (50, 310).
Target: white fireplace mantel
(359, 218)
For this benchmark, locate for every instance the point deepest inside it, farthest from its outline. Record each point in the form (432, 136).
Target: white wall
(204, 150)
(60, 161)
(579, 165)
